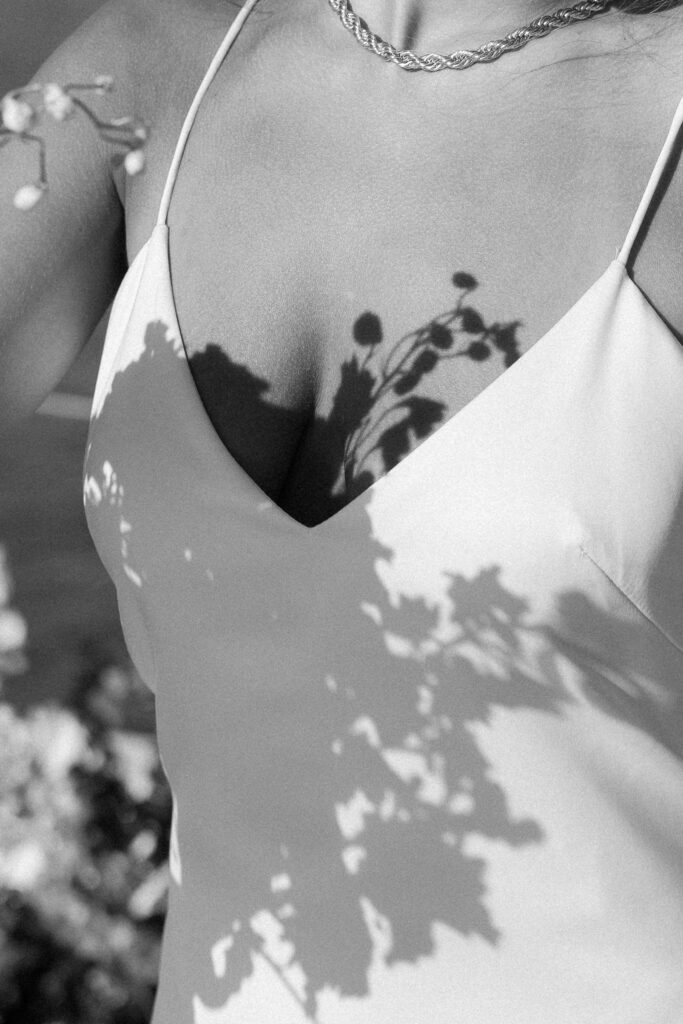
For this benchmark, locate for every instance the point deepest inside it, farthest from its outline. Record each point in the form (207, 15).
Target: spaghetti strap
(228, 40)
(655, 178)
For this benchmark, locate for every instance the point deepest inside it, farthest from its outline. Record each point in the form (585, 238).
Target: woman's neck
(446, 25)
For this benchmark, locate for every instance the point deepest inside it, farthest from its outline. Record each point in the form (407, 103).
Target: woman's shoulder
(173, 46)
(153, 49)
(169, 41)
(157, 52)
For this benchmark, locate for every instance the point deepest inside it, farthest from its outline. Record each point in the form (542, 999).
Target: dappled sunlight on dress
(426, 756)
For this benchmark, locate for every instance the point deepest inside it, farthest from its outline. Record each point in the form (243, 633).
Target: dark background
(60, 586)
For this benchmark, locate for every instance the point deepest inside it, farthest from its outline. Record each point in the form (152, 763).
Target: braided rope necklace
(461, 59)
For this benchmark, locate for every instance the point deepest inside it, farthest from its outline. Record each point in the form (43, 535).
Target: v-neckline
(453, 422)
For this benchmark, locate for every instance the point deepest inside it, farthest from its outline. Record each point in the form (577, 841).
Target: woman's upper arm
(61, 262)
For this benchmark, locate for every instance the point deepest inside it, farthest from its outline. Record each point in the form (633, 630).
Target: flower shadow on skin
(377, 416)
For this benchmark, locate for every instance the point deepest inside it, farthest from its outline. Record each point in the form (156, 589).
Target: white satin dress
(427, 756)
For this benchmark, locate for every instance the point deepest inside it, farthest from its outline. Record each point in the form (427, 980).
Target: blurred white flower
(121, 935)
(13, 630)
(26, 197)
(115, 682)
(143, 845)
(15, 753)
(23, 867)
(136, 759)
(147, 897)
(134, 162)
(60, 741)
(57, 102)
(17, 115)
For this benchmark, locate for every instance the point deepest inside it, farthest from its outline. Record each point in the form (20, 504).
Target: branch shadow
(320, 728)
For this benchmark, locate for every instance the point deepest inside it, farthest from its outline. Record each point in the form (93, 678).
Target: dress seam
(632, 601)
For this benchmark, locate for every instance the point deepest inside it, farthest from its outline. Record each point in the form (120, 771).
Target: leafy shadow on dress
(323, 727)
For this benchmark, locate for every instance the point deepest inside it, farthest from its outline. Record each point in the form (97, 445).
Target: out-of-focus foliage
(84, 818)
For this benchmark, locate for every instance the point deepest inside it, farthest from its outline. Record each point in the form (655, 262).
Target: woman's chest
(348, 277)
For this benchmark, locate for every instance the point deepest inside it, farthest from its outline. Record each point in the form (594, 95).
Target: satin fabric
(427, 756)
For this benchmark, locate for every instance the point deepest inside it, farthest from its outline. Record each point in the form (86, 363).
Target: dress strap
(655, 179)
(228, 40)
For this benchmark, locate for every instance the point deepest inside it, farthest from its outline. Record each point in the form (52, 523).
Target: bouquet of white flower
(21, 111)
(84, 820)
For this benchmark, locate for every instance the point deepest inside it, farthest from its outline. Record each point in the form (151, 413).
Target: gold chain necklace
(461, 59)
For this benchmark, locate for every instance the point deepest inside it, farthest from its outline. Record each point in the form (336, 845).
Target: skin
(320, 183)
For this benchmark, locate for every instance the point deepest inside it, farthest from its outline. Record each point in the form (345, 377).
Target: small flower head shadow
(411, 359)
